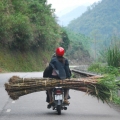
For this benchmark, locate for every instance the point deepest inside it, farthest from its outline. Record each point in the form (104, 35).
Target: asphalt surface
(34, 107)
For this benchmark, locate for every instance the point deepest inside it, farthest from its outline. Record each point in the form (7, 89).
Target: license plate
(58, 97)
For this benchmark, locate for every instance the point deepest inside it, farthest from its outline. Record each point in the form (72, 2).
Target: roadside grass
(109, 71)
(15, 61)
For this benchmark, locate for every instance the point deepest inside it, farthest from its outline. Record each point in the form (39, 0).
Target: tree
(65, 40)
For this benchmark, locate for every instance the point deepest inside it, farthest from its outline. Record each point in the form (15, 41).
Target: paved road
(33, 106)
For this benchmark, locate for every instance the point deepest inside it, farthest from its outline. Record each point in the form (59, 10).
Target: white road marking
(8, 110)
(13, 101)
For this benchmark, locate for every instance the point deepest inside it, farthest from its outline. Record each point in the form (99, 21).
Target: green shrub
(113, 56)
(103, 69)
(95, 67)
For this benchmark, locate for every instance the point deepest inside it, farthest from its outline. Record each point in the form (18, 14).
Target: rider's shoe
(51, 103)
(66, 102)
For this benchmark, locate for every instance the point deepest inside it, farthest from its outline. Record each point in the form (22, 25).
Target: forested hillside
(27, 24)
(101, 18)
(78, 50)
(29, 34)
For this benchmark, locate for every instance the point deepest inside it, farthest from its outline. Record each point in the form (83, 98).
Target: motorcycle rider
(59, 69)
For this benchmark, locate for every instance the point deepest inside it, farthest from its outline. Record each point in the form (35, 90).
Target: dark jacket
(62, 69)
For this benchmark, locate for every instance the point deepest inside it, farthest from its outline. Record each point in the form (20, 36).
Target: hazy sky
(62, 4)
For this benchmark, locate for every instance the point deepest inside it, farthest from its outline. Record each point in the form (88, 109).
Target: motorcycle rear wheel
(59, 109)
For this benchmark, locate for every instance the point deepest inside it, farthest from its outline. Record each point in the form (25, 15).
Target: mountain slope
(65, 11)
(65, 19)
(102, 17)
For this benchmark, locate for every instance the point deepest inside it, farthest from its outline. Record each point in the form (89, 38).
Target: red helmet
(60, 51)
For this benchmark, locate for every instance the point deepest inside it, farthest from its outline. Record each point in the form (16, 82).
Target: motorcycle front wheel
(59, 109)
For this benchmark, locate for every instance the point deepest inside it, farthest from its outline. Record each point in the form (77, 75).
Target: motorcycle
(58, 98)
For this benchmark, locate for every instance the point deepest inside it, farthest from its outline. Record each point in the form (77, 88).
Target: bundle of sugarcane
(100, 87)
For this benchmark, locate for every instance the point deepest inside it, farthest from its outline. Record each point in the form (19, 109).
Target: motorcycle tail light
(58, 92)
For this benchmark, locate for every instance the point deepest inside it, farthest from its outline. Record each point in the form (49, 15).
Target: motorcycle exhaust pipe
(65, 108)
